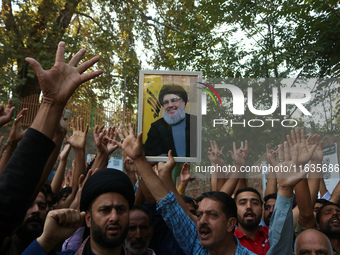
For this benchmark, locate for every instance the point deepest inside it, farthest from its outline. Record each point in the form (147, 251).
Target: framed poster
(170, 114)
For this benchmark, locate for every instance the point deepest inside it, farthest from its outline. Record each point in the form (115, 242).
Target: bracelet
(8, 152)
(11, 144)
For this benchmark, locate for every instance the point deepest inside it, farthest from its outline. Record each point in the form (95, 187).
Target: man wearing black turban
(173, 131)
(107, 197)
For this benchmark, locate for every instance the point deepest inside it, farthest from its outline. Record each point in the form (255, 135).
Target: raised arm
(303, 196)
(59, 175)
(185, 177)
(216, 159)
(239, 157)
(78, 143)
(23, 171)
(15, 136)
(271, 186)
(133, 147)
(106, 145)
(281, 224)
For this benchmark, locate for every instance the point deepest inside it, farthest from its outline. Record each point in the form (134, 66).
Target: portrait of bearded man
(177, 130)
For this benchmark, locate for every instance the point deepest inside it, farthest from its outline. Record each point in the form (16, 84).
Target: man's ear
(88, 219)
(231, 223)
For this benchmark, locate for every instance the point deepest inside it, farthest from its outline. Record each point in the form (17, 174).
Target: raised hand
(64, 153)
(166, 168)
(185, 174)
(305, 153)
(6, 114)
(240, 155)
(288, 171)
(60, 82)
(318, 153)
(17, 133)
(131, 146)
(78, 138)
(215, 155)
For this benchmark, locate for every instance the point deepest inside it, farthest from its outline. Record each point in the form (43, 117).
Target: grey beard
(137, 251)
(175, 119)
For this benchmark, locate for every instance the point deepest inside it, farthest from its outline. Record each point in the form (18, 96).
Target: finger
(60, 56)
(88, 76)
(246, 145)
(9, 103)
(23, 112)
(2, 107)
(281, 154)
(290, 142)
(131, 129)
(297, 134)
(221, 151)
(73, 127)
(78, 128)
(303, 137)
(295, 154)
(87, 128)
(140, 138)
(84, 66)
(234, 147)
(76, 58)
(292, 132)
(35, 65)
(80, 180)
(286, 151)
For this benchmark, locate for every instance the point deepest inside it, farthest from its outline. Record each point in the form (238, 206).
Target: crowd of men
(97, 210)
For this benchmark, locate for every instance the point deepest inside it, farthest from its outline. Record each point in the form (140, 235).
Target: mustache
(204, 227)
(34, 219)
(249, 212)
(113, 225)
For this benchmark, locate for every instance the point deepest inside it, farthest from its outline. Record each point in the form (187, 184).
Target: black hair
(64, 191)
(270, 196)
(190, 200)
(143, 209)
(248, 189)
(228, 204)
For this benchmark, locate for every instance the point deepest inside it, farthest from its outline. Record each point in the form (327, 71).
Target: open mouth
(113, 229)
(204, 232)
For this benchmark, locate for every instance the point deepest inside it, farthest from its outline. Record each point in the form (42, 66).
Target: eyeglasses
(172, 100)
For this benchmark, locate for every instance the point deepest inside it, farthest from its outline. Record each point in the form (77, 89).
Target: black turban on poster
(173, 89)
(104, 181)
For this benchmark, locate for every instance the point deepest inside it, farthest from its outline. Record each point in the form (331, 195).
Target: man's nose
(113, 215)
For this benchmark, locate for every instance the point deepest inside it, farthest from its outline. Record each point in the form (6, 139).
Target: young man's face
(330, 221)
(212, 224)
(249, 209)
(268, 210)
(33, 223)
(108, 219)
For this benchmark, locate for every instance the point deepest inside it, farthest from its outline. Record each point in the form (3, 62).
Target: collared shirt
(261, 243)
(184, 229)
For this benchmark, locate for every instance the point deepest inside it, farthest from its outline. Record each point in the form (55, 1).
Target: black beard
(331, 233)
(106, 242)
(28, 234)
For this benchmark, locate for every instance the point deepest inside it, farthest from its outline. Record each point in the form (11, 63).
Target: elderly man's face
(139, 234)
(174, 109)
